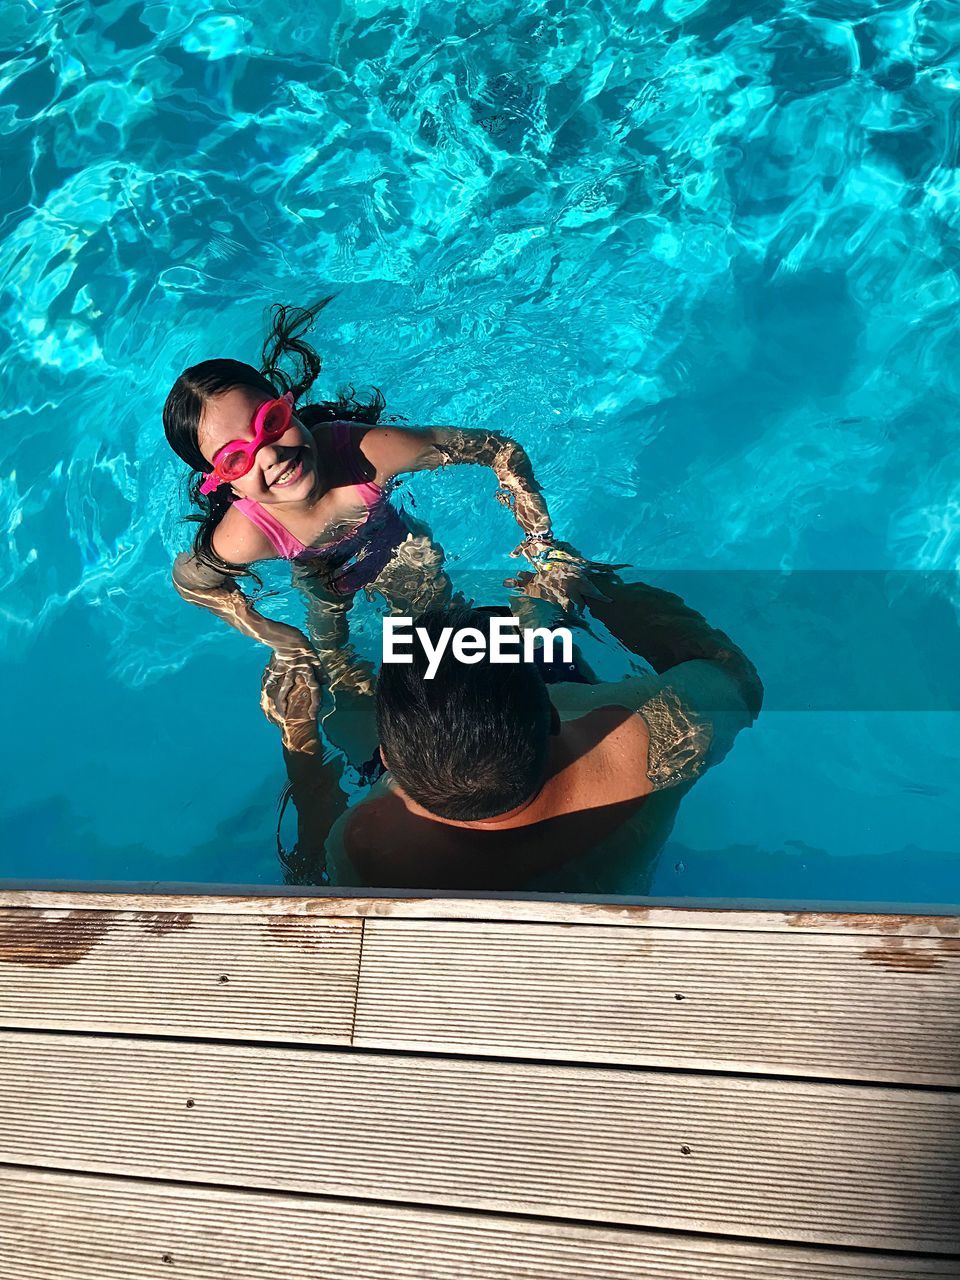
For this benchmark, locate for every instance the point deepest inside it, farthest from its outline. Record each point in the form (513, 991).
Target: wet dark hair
(201, 382)
(472, 742)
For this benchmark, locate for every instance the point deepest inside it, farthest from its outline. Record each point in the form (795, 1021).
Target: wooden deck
(214, 1087)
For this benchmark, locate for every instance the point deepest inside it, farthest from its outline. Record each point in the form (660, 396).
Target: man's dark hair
(472, 742)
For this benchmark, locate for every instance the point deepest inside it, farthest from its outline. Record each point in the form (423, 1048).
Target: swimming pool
(700, 259)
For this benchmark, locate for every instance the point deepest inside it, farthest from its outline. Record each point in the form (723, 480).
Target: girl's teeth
(281, 479)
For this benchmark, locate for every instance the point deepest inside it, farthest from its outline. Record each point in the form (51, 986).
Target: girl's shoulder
(390, 450)
(376, 453)
(339, 434)
(341, 445)
(238, 540)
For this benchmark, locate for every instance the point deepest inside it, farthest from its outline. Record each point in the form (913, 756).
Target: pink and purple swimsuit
(360, 555)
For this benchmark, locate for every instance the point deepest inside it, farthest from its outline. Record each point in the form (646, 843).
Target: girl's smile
(291, 473)
(283, 472)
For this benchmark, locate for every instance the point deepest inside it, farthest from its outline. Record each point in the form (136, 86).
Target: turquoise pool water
(700, 259)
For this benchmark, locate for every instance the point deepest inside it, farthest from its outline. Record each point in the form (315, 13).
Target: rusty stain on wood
(301, 933)
(518, 986)
(571, 910)
(887, 924)
(897, 955)
(52, 941)
(160, 923)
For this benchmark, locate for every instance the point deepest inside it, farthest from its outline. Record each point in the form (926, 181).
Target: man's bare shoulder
(575, 700)
(375, 832)
(677, 724)
(367, 819)
(607, 750)
(700, 683)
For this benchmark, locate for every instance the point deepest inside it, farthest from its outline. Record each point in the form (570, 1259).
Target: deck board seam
(356, 985)
(392, 1051)
(480, 1212)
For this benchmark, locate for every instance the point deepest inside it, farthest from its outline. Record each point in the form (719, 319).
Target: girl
(309, 484)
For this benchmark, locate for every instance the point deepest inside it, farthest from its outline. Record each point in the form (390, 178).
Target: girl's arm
(294, 660)
(393, 450)
(205, 586)
(235, 542)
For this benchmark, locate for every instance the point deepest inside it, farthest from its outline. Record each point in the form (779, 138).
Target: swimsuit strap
(287, 544)
(371, 493)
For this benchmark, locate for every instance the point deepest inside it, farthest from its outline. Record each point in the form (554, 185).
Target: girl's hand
(290, 693)
(565, 587)
(543, 550)
(561, 574)
(536, 547)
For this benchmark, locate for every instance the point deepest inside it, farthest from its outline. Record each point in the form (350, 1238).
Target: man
(495, 781)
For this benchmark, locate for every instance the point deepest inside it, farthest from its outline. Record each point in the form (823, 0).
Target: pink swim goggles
(235, 459)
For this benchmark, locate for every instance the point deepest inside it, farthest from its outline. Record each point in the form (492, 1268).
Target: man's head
(472, 742)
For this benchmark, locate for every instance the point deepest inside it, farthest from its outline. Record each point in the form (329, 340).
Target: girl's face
(284, 471)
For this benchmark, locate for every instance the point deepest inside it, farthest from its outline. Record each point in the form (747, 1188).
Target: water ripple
(674, 251)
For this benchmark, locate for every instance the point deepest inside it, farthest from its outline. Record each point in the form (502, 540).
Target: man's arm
(706, 689)
(659, 627)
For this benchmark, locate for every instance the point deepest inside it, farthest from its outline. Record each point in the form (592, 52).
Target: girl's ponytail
(285, 340)
(287, 325)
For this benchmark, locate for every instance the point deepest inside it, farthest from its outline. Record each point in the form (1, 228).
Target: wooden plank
(840, 1006)
(81, 1228)
(176, 973)
(782, 1160)
(572, 909)
(850, 1006)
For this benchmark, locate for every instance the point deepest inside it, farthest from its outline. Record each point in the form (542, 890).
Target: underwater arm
(205, 586)
(706, 689)
(294, 659)
(661, 628)
(518, 488)
(654, 624)
(393, 451)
